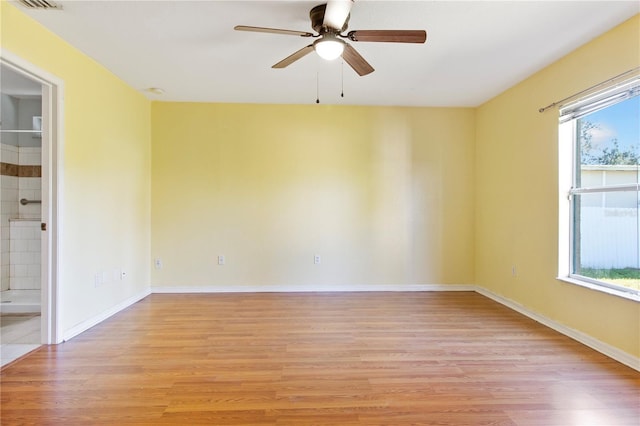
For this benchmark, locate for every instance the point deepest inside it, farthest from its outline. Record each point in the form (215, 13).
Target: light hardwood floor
(319, 359)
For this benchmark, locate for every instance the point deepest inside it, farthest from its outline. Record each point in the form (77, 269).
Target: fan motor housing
(317, 20)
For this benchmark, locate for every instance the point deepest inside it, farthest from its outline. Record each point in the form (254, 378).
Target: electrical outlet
(158, 263)
(123, 275)
(100, 278)
(221, 260)
(317, 259)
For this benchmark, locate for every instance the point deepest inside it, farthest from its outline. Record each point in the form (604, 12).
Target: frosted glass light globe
(329, 48)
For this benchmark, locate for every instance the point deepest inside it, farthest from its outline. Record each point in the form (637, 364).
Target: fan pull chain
(318, 87)
(342, 80)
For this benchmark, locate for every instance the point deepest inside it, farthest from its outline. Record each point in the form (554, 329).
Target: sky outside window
(619, 122)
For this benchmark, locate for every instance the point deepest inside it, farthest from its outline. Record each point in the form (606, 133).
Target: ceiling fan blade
(357, 62)
(272, 31)
(336, 13)
(389, 36)
(294, 57)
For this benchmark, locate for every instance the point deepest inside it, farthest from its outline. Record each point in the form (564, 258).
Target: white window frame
(568, 138)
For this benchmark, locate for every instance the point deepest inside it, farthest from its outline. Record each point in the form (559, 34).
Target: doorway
(29, 137)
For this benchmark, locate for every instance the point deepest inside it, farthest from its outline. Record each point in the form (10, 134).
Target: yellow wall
(517, 193)
(383, 195)
(106, 172)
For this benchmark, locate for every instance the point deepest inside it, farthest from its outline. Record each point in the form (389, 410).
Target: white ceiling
(474, 50)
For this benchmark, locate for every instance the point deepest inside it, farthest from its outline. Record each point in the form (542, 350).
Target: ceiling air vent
(39, 4)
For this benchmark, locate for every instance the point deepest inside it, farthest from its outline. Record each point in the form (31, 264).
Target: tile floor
(19, 334)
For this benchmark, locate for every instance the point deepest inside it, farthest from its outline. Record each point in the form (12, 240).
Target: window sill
(602, 289)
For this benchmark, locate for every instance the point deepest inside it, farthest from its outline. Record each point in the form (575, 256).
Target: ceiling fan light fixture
(329, 22)
(329, 48)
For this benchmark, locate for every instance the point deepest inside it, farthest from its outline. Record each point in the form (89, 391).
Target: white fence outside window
(612, 239)
(609, 221)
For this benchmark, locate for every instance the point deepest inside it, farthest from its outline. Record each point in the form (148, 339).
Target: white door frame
(52, 166)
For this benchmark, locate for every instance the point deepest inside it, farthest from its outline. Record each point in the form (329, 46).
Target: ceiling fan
(330, 20)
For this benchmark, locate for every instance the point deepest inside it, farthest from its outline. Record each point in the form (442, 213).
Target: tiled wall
(9, 155)
(20, 178)
(24, 263)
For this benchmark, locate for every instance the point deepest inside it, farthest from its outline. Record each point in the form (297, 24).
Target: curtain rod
(589, 89)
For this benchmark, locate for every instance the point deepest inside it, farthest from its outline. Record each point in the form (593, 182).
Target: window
(601, 189)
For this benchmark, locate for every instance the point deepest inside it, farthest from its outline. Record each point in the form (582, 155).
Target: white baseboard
(604, 348)
(311, 289)
(87, 324)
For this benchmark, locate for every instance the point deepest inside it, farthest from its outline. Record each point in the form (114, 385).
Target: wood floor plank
(319, 359)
